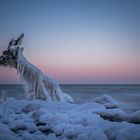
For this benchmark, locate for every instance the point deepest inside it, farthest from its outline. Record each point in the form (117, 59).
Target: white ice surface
(49, 120)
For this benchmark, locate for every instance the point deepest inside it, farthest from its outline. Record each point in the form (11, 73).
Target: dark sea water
(128, 96)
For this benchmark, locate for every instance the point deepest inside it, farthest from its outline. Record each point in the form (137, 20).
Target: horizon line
(78, 84)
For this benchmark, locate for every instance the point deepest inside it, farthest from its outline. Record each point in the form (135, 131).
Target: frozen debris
(107, 101)
(31, 107)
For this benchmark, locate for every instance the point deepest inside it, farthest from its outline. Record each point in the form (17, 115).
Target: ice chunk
(112, 114)
(18, 125)
(31, 107)
(135, 117)
(36, 114)
(118, 115)
(67, 98)
(107, 101)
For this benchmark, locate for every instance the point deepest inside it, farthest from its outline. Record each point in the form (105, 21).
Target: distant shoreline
(80, 84)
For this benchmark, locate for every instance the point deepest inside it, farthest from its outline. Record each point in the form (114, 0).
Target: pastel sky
(75, 41)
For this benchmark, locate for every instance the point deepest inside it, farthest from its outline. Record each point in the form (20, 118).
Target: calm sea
(127, 95)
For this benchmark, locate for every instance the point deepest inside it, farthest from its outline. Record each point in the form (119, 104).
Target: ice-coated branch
(16, 42)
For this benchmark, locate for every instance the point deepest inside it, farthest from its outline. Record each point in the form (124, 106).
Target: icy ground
(101, 119)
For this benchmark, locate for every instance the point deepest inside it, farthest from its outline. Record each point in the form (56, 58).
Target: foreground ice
(101, 119)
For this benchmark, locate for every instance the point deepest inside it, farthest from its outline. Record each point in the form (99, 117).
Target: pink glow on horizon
(8, 75)
(119, 72)
(80, 70)
(67, 74)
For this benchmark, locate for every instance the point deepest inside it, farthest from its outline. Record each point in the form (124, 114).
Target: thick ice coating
(37, 84)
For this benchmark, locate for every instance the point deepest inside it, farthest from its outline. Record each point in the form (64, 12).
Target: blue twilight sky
(75, 41)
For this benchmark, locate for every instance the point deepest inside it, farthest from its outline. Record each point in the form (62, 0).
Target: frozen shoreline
(101, 119)
(128, 96)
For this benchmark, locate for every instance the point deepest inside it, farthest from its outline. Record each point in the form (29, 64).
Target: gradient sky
(75, 41)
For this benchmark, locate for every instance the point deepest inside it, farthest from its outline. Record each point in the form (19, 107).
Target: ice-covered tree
(37, 84)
